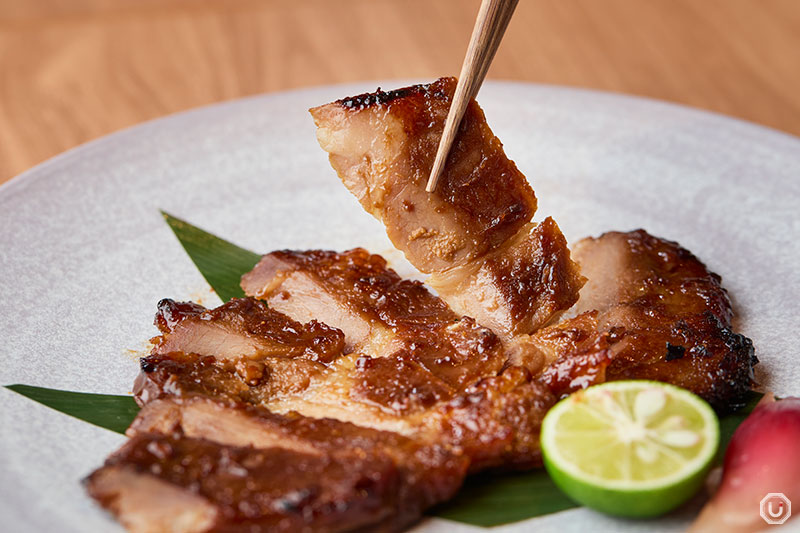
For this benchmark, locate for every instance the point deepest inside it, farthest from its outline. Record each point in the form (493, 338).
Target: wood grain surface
(73, 70)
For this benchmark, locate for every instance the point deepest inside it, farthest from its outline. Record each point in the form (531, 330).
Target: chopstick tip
(436, 170)
(431, 186)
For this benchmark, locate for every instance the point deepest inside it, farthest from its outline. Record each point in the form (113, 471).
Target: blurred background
(73, 70)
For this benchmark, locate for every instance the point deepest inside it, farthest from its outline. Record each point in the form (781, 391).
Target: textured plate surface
(85, 254)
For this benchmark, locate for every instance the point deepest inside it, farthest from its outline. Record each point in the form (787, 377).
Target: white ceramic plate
(85, 254)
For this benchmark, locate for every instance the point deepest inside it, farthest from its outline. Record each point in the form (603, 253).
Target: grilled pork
(379, 313)
(198, 461)
(422, 416)
(650, 310)
(572, 354)
(429, 356)
(158, 483)
(474, 232)
(417, 390)
(243, 328)
(668, 315)
(238, 345)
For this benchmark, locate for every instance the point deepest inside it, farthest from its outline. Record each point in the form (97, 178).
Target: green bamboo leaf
(219, 261)
(105, 410)
(491, 500)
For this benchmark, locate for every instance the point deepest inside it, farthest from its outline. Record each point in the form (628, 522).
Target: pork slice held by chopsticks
(383, 144)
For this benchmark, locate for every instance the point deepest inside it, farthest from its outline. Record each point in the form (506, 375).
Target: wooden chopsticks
(491, 24)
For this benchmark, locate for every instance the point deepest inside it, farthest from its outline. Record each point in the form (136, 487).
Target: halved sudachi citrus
(630, 448)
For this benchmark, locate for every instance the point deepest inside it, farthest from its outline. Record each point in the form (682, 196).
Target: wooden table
(73, 70)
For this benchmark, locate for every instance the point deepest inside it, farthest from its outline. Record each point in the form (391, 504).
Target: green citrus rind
(632, 499)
